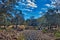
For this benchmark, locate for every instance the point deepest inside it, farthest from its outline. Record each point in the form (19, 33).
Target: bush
(36, 28)
(44, 30)
(57, 34)
(21, 37)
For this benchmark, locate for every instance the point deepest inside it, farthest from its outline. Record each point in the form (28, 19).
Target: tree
(57, 16)
(32, 21)
(52, 18)
(18, 19)
(5, 9)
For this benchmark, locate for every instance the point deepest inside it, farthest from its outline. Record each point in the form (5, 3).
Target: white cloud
(31, 4)
(40, 12)
(20, 3)
(56, 3)
(48, 5)
(53, 2)
(27, 4)
(23, 4)
(28, 0)
(27, 10)
(43, 8)
(53, 6)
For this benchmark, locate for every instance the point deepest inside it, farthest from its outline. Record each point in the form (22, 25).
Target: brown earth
(28, 35)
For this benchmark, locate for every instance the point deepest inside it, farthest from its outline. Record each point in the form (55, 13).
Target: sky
(35, 8)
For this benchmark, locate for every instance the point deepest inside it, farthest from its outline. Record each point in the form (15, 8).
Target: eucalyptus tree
(4, 10)
(50, 18)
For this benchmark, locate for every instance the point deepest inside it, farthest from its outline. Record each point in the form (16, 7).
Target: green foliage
(57, 34)
(41, 19)
(36, 28)
(6, 12)
(1, 29)
(21, 37)
(44, 30)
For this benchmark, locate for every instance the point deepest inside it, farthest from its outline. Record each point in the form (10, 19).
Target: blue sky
(33, 7)
(35, 11)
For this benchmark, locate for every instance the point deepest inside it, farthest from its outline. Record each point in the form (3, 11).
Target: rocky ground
(24, 35)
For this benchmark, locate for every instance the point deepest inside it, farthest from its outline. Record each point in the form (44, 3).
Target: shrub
(44, 30)
(36, 28)
(21, 37)
(57, 34)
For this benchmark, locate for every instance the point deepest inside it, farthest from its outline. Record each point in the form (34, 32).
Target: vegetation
(44, 31)
(21, 37)
(57, 34)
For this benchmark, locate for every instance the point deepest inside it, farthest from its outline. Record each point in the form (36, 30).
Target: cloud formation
(50, 5)
(55, 3)
(27, 4)
(31, 4)
(47, 5)
(27, 10)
